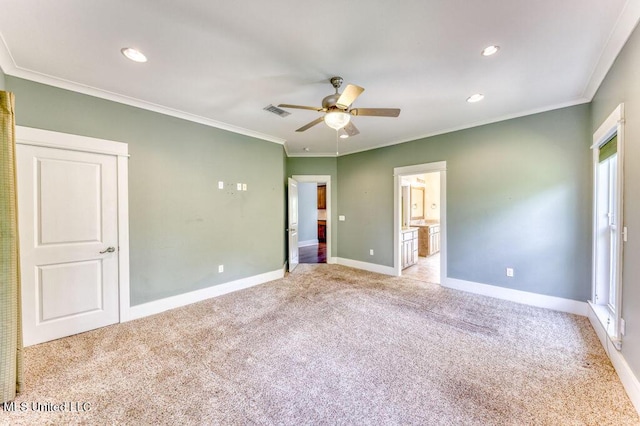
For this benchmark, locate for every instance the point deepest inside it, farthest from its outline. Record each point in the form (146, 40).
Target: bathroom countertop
(427, 223)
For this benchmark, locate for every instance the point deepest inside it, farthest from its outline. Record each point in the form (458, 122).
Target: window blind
(609, 149)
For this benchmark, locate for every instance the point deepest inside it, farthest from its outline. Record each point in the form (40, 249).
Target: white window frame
(610, 316)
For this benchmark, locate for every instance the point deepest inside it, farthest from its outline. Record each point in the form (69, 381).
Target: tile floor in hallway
(427, 269)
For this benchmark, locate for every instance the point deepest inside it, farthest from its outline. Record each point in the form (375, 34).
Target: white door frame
(613, 125)
(398, 172)
(50, 139)
(322, 179)
(293, 219)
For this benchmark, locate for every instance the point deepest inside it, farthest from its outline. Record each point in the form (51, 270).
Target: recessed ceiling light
(475, 98)
(490, 50)
(133, 54)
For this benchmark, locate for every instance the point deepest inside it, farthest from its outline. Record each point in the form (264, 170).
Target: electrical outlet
(220, 184)
(220, 268)
(341, 218)
(510, 272)
(371, 252)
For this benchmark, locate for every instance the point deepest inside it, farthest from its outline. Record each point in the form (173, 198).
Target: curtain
(10, 317)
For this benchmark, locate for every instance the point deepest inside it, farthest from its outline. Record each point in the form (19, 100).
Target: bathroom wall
(432, 196)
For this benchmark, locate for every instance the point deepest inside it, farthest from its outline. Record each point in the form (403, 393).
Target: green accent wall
(622, 85)
(518, 195)
(181, 226)
(320, 166)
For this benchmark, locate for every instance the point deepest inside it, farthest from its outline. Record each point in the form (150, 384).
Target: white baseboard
(518, 296)
(331, 260)
(157, 306)
(628, 379)
(371, 267)
(307, 243)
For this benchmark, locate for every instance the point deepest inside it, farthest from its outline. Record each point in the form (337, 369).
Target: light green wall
(518, 195)
(181, 226)
(622, 85)
(320, 166)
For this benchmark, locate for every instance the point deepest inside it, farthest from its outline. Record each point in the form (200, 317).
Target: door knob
(108, 250)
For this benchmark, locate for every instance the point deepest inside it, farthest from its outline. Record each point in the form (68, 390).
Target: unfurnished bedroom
(421, 213)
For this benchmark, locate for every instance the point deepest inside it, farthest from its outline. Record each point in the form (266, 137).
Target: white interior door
(68, 219)
(293, 224)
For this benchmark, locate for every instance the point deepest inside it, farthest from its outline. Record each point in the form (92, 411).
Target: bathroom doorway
(420, 222)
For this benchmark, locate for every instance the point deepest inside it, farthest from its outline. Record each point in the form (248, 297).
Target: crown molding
(9, 67)
(525, 113)
(626, 23)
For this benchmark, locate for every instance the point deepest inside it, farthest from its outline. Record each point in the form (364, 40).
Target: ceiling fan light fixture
(133, 54)
(337, 119)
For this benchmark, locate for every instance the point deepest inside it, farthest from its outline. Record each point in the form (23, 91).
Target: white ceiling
(221, 62)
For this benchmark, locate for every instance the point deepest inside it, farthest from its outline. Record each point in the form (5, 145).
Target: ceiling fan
(338, 112)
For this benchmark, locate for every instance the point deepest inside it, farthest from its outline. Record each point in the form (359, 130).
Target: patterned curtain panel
(10, 317)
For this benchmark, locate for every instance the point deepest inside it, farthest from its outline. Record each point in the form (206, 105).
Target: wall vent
(277, 111)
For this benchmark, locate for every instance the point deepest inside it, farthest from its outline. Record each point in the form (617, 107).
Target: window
(607, 224)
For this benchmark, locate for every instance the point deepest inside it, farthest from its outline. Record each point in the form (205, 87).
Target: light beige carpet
(332, 345)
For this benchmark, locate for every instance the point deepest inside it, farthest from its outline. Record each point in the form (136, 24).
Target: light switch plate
(341, 218)
(244, 186)
(220, 184)
(220, 268)
(239, 186)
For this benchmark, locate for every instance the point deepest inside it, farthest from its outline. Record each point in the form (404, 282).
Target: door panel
(67, 217)
(60, 297)
(68, 183)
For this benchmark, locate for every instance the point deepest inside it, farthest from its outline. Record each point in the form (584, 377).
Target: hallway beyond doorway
(316, 253)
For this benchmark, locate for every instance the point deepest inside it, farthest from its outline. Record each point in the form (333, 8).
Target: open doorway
(314, 218)
(419, 221)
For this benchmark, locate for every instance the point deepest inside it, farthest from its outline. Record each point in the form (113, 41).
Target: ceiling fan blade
(299, 107)
(351, 129)
(351, 92)
(376, 112)
(310, 125)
